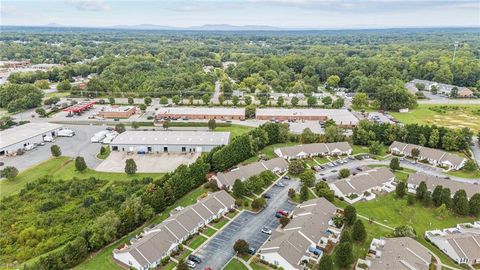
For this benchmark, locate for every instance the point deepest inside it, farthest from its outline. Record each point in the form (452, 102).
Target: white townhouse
(147, 250)
(313, 150)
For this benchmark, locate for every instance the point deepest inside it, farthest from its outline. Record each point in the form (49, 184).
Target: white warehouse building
(19, 137)
(169, 141)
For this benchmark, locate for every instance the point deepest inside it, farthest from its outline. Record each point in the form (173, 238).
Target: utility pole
(454, 52)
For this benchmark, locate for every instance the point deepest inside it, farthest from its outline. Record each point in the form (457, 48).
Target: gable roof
(438, 155)
(432, 181)
(364, 181)
(247, 171)
(160, 239)
(313, 148)
(308, 225)
(401, 253)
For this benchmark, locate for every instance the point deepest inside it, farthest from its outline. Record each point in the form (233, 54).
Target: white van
(30, 147)
(48, 139)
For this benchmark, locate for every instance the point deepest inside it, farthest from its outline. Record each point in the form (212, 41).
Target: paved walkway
(376, 222)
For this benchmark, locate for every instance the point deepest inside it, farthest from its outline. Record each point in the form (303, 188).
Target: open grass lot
(221, 223)
(358, 149)
(268, 151)
(235, 264)
(62, 168)
(104, 260)
(453, 116)
(235, 130)
(392, 212)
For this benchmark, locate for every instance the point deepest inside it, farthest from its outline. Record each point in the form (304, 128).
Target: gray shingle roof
(433, 181)
(314, 149)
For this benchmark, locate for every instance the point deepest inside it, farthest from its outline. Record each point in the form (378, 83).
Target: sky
(318, 14)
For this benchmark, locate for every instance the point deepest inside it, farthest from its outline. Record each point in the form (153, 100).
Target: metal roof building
(341, 117)
(169, 141)
(19, 137)
(201, 113)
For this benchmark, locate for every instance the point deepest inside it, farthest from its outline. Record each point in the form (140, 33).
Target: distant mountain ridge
(206, 27)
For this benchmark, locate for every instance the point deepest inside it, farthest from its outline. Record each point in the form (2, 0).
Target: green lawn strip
(235, 130)
(221, 223)
(321, 160)
(209, 231)
(465, 174)
(169, 266)
(258, 266)
(184, 254)
(235, 264)
(232, 214)
(104, 260)
(392, 212)
(196, 241)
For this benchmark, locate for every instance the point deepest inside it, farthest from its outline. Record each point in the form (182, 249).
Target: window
(165, 149)
(184, 149)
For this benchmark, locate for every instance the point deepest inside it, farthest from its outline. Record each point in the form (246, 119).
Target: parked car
(282, 212)
(266, 230)
(191, 264)
(280, 184)
(48, 139)
(267, 196)
(41, 143)
(278, 215)
(195, 259)
(251, 251)
(208, 268)
(1, 163)
(286, 177)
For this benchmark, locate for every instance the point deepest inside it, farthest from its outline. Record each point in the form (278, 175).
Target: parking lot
(78, 145)
(148, 163)
(219, 249)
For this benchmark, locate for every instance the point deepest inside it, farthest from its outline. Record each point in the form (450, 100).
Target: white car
(48, 139)
(266, 230)
(191, 264)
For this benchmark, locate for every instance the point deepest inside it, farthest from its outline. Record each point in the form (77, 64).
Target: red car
(282, 212)
(207, 268)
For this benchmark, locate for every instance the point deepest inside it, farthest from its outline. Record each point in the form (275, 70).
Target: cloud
(88, 5)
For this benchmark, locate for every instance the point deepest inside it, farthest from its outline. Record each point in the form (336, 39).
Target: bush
(404, 230)
(80, 164)
(344, 173)
(130, 166)
(9, 172)
(258, 203)
(241, 246)
(55, 149)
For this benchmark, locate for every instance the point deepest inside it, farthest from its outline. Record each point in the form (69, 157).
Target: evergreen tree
(344, 255)
(239, 189)
(446, 198)
(304, 193)
(80, 164)
(325, 263)
(130, 166)
(350, 215)
(474, 205)
(359, 233)
(421, 190)
(437, 196)
(395, 164)
(401, 189)
(460, 203)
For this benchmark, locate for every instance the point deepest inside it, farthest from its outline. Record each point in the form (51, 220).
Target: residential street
(219, 249)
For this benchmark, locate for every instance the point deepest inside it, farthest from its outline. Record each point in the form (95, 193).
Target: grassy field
(258, 266)
(104, 260)
(269, 151)
(62, 168)
(235, 264)
(235, 130)
(392, 212)
(455, 116)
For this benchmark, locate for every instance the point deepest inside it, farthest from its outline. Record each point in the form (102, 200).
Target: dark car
(195, 258)
(267, 196)
(251, 251)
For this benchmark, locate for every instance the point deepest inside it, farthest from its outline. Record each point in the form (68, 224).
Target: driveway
(148, 163)
(78, 145)
(247, 225)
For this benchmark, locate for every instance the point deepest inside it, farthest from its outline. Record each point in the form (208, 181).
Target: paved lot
(162, 162)
(78, 145)
(298, 127)
(219, 249)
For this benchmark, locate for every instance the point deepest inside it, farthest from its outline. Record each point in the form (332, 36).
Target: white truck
(65, 133)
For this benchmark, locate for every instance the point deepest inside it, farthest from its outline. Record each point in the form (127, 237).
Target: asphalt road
(219, 249)
(78, 145)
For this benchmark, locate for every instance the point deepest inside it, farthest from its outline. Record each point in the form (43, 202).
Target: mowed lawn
(235, 130)
(395, 212)
(104, 259)
(62, 168)
(462, 116)
(235, 264)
